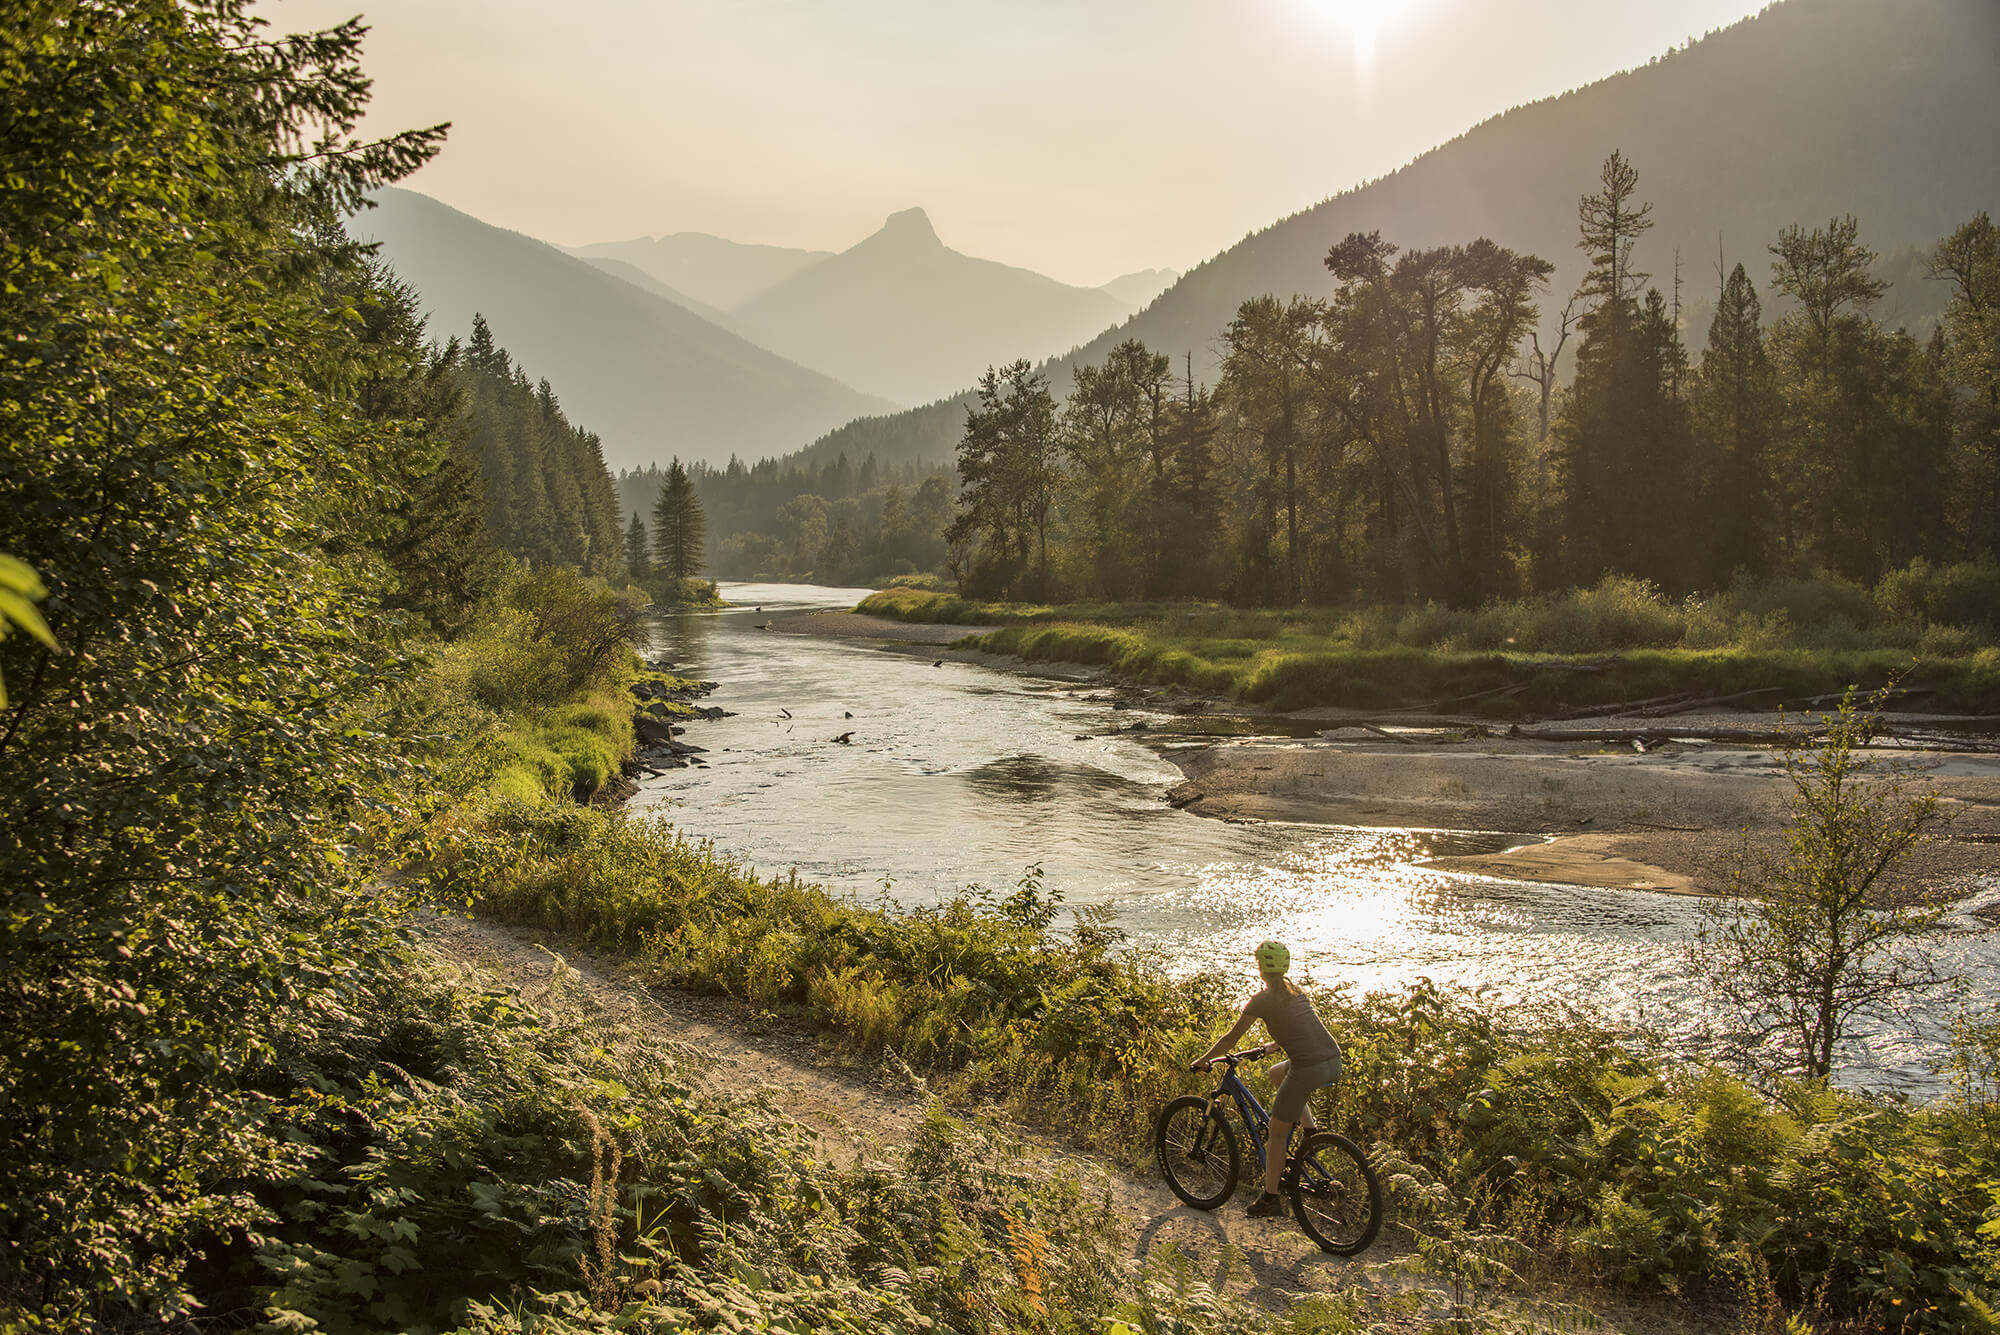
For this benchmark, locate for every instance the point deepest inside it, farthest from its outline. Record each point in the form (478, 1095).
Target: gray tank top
(1294, 1025)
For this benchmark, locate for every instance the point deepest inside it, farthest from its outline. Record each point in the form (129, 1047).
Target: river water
(958, 775)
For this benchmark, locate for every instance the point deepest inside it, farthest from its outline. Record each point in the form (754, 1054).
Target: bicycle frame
(1248, 1109)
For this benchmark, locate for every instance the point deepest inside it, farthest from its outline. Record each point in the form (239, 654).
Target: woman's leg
(1277, 1144)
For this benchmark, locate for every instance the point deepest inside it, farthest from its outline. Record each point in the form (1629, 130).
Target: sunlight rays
(1363, 21)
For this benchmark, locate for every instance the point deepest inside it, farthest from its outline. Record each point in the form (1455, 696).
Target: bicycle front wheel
(1199, 1157)
(1336, 1196)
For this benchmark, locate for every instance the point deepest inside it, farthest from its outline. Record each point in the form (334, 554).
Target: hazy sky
(1081, 138)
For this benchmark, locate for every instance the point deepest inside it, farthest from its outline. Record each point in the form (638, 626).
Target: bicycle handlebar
(1241, 1055)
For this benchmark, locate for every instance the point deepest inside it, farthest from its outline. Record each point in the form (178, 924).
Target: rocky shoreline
(662, 704)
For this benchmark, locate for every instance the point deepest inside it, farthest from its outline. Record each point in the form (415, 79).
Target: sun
(1361, 20)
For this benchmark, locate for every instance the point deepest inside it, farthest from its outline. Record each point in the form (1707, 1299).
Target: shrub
(584, 631)
(1807, 604)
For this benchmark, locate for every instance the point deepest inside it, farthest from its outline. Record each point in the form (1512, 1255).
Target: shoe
(1266, 1206)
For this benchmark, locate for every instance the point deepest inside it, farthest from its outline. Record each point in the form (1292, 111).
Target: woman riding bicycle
(1312, 1060)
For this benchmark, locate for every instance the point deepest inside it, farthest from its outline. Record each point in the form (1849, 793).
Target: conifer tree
(1733, 406)
(1610, 225)
(638, 561)
(1969, 261)
(1834, 362)
(678, 527)
(1620, 443)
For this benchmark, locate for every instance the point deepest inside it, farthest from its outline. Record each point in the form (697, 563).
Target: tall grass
(1795, 638)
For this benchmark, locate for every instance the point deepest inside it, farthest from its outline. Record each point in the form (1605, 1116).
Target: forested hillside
(834, 524)
(1369, 448)
(550, 500)
(652, 378)
(1811, 110)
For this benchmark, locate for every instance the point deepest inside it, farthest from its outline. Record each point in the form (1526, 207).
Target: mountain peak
(910, 227)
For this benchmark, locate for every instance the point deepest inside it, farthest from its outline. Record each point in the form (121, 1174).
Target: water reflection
(957, 775)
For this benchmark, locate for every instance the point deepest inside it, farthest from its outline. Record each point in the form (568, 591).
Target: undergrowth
(1604, 1164)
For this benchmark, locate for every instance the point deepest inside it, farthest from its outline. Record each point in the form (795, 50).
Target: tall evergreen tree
(1830, 352)
(1610, 225)
(1621, 444)
(1969, 261)
(638, 558)
(1192, 512)
(679, 529)
(1733, 406)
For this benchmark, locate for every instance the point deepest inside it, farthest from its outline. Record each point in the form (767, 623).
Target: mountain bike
(1335, 1195)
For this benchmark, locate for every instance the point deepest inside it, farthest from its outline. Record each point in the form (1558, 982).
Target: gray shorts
(1289, 1104)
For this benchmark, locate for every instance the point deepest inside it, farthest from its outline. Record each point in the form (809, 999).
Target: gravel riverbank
(1679, 816)
(1698, 797)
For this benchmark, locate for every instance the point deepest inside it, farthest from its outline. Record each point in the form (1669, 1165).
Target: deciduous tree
(1825, 933)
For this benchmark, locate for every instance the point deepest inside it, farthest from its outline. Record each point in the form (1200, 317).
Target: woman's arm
(1228, 1040)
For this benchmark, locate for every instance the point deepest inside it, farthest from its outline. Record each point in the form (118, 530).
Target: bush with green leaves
(445, 1133)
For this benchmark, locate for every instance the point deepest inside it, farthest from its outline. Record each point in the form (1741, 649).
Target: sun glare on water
(1361, 20)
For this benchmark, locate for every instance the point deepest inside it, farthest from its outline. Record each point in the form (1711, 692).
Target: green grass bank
(1620, 641)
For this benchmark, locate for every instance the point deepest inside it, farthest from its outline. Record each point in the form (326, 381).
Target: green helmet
(1272, 957)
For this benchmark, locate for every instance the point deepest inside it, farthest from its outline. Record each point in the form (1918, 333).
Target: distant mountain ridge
(1810, 110)
(651, 378)
(1134, 290)
(711, 269)
(903, 315)
(899, 314)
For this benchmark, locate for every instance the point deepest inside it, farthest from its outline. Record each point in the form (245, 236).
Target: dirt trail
(857, 1112)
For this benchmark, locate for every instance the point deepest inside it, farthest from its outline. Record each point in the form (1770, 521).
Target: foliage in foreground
(1623, 1168)
(440, 1131)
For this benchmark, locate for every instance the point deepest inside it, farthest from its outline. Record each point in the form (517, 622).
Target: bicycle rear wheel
(1199, 1157)
(1335, 1195)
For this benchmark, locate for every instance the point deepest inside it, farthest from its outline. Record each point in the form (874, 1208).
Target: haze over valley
(670, 665)
(1810, 110)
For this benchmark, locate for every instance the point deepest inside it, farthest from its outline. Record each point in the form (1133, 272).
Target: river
(958, 775)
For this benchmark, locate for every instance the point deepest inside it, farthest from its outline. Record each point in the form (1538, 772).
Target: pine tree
(638, 562)
(1610, 226)
(678, 527)
(1833, 361)
(1620, 443)
(1969, 261)
(1733, 406)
